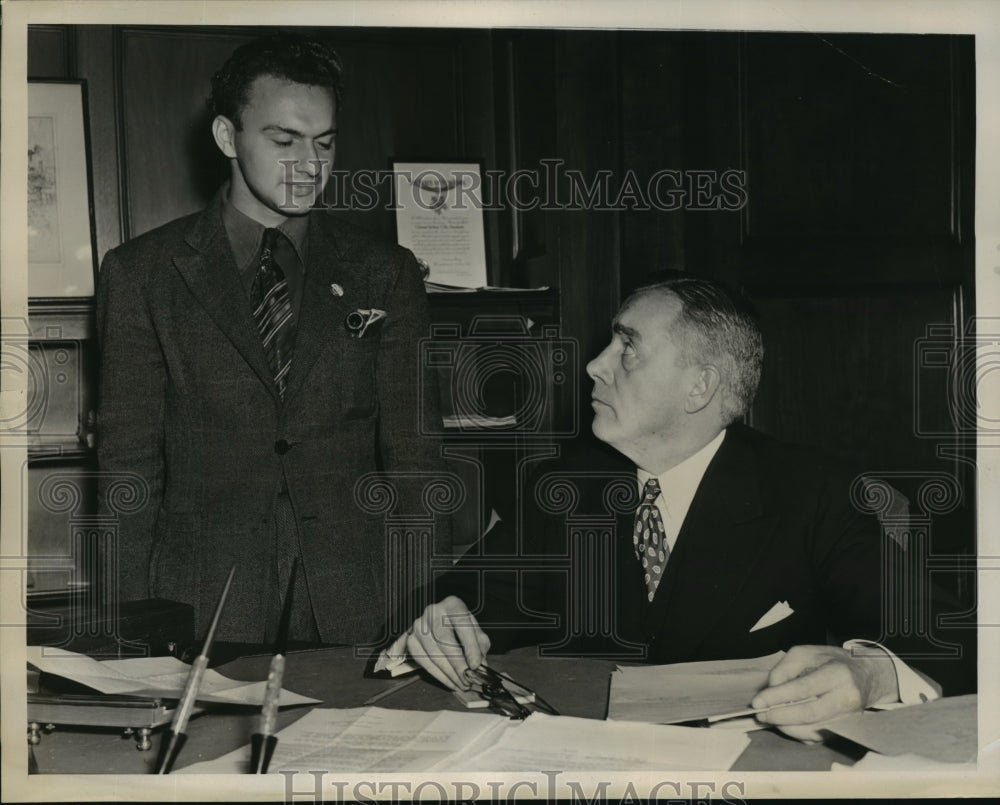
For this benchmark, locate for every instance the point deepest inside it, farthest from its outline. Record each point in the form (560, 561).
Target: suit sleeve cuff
(913, 687)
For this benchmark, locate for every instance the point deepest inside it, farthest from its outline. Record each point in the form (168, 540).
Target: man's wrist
(908, 685)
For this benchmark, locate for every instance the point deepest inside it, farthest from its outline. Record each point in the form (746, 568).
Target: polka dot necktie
(272, 310)
(649, 538)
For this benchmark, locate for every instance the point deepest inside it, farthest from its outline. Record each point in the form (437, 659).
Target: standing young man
(258, 358)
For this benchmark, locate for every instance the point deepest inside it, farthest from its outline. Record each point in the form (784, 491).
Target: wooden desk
(576, 687)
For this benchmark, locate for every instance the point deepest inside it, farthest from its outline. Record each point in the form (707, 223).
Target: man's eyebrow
(295, 132)
(628, 332)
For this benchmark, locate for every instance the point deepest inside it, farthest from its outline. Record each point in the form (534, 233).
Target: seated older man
(733, 545)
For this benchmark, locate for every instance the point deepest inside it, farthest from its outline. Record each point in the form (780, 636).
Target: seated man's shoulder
(783, 471)
(785, 458)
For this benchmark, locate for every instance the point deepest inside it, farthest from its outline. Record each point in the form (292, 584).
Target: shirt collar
(245, 234)
(679, 483)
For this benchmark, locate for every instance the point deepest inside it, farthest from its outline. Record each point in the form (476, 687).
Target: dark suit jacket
(768, 523)
(189, 404)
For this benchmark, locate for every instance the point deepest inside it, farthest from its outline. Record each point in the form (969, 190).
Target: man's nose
(598, 368)
(310, 163)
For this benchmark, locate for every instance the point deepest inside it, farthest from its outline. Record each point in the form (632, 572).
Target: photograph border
(963, 16)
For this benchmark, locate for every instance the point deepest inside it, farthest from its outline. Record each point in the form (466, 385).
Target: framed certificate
(60, 230)
(439, 217)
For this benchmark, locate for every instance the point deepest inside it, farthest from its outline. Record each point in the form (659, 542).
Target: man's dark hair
(719, 326)
(292, 57)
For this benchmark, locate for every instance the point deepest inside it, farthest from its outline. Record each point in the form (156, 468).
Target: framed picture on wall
(439, 217)
(60, 221)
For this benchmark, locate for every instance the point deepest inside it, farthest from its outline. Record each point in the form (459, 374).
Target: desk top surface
(576, 687)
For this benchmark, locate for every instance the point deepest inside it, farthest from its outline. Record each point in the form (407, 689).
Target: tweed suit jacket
(189, 406)
(769, 523)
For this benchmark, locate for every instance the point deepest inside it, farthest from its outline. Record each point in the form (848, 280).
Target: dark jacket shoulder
(791, 463)
(163, 240)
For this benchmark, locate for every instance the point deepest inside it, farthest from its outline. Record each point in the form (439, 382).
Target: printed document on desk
(367, 739)
(374, 739)
(583, 744)
(690, 691)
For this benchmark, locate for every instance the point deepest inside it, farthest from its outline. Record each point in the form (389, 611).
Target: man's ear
(706, 386)
(224, 132)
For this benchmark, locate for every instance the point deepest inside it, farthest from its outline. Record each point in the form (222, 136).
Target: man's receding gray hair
(720, 327)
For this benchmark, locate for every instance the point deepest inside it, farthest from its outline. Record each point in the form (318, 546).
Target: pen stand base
(134, 716)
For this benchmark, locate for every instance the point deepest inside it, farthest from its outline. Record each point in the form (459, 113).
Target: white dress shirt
(677, 487)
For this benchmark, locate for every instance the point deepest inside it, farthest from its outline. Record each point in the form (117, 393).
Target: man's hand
(446, 641)
(841, 683)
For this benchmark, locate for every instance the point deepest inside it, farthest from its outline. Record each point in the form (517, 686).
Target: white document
(373, 739)
(367, 739)
(439, 217)
(690, 691)
(150, 676)
(583, 744)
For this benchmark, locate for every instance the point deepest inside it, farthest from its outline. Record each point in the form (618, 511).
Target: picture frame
(439, 216)
(61, 243)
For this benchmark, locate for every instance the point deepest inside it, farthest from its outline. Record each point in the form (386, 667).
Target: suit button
(281, 447)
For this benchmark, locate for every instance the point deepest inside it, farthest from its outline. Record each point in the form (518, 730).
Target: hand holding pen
(812, 685)
(264, 741)
(171, 747)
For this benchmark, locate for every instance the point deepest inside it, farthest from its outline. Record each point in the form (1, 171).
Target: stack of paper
(691, 691)
(373, 739)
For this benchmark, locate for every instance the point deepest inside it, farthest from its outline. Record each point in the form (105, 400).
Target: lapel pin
(336, 290)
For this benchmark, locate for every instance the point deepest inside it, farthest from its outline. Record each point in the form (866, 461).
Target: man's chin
(600, 428)
(295, 210)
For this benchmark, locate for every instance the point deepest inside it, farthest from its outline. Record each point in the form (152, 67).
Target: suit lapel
(322, 314)
(213, 278)
(716, 551)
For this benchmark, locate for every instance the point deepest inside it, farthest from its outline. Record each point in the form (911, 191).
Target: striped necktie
(272, 310)
(649, 538)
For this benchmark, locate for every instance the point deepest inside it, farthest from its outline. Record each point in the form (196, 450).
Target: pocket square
(363, 321)
(778, 612)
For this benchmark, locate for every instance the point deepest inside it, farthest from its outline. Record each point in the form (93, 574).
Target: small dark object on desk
(501, 700)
